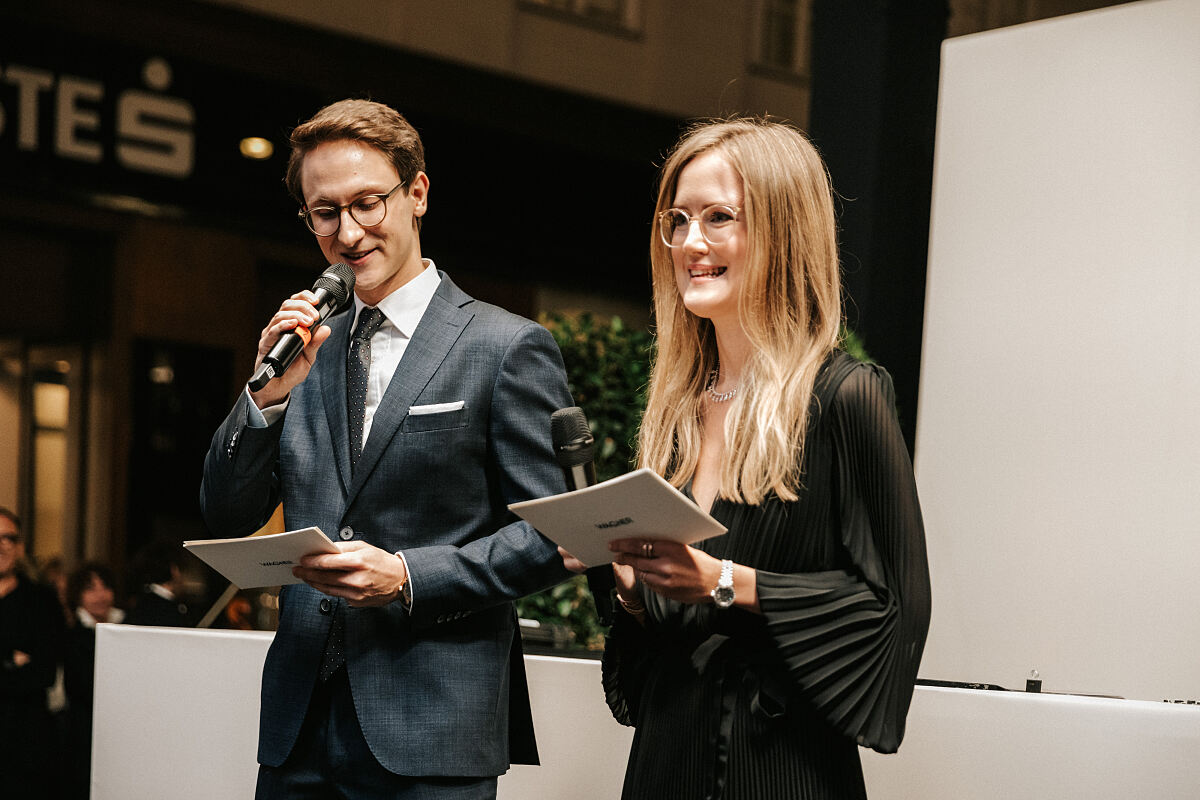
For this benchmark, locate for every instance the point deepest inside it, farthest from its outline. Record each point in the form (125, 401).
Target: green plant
(608, 365)
(567, 608)
(852, 343)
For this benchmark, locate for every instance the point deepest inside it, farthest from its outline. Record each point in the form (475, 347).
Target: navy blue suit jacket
(441, 691)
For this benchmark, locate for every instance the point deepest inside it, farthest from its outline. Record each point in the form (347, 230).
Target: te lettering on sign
(153, 132)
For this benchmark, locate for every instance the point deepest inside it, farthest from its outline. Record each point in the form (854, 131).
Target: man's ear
(418, 189)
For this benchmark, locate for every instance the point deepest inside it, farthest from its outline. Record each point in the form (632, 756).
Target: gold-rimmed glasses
(716, 224)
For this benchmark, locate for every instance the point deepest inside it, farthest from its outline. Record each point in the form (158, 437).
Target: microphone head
(338, 281)
(572, 438)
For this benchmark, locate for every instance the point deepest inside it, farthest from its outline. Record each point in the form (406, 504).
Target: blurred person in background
(54, 573)
(91, 592)
(31, 635)
(165, 597)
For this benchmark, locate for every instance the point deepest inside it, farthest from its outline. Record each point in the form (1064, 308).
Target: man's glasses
(10, 539)
(716, 224)
(367, 210)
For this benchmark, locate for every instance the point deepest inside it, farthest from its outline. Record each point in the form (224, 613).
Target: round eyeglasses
(367, 210)
(716, 224)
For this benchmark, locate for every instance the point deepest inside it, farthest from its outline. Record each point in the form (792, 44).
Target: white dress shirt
(402, 310)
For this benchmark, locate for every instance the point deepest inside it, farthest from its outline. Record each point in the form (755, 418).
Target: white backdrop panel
(177, 717)
(1058, 423)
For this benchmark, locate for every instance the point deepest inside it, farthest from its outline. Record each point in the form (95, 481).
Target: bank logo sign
(61, 114)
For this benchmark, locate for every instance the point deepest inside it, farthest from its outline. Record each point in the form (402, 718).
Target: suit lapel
(440, 327)
(331, 375)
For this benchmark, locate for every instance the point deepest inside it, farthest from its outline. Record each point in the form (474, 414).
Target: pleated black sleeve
(624, 666)
(851, 639)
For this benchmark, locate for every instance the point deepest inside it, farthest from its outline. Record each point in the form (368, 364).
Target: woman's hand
(683, 573)
(674, 570)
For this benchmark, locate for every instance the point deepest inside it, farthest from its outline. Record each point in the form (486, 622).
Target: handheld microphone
(574, 450)
(574, 447)
(332, 290)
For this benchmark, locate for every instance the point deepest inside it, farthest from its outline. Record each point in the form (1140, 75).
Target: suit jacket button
(326, 604)
(347, 533)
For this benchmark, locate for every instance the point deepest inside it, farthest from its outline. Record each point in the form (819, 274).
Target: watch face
(723, 596)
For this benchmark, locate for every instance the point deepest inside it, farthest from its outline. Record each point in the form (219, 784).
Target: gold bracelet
(635, 608)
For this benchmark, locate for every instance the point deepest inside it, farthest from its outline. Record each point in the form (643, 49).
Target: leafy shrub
(608, 365)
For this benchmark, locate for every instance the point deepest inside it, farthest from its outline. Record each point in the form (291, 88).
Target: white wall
(1058, 436)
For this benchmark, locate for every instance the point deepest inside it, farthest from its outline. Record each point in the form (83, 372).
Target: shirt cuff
(406, 592)
(262, 418)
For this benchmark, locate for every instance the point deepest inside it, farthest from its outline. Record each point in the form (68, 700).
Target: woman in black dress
(754, 664)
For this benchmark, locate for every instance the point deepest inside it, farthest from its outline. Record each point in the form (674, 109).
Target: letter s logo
(154, 133)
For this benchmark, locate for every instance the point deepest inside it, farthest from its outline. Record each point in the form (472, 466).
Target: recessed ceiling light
(257, 148)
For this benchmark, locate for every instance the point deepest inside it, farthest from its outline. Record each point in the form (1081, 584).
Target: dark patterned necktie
(358, 367)
(335, 653)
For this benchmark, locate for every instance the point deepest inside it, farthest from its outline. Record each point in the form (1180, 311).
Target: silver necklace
(713, 394)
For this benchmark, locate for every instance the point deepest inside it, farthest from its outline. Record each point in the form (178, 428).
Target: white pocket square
(436, 408)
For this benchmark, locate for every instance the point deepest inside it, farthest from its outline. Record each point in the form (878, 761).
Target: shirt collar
(405, 306)
(88, 621)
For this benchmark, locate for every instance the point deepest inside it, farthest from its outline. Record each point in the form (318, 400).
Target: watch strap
(723, 595)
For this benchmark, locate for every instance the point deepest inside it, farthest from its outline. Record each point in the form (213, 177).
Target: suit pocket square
(436, 417)
(436, 408)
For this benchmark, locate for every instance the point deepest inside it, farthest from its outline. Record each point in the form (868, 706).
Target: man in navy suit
(396, 670)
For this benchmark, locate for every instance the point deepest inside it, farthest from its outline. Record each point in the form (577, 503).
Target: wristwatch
(723, 595)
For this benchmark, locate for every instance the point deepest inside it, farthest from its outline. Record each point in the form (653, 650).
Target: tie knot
(369, 321)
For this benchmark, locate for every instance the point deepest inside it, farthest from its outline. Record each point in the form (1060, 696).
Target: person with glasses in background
(754, 664)
(31, 640)
(409, 423)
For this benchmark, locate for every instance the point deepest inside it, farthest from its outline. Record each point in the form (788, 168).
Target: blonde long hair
(790, 308)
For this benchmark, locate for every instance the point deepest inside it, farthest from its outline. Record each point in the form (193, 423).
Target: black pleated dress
(738, 706)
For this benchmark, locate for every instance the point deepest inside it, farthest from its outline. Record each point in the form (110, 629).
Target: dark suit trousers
(332, 760)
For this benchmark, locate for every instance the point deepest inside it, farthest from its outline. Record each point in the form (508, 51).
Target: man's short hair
(12, 517)
(374, 124)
